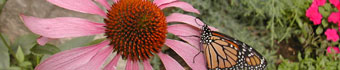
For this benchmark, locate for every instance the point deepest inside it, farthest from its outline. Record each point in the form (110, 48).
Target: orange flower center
(136, 28)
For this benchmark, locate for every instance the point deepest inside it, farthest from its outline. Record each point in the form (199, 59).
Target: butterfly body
(226, 53)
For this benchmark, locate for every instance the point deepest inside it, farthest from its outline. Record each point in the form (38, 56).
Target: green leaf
(324, 23)
(319, 30)
(25, 64)
(4, 55)
(323, 12)
(46, 49)
(302, 39)
(26, 42)
(14, 68)
(96, 41)
(327, 6)
(76, 42)
(20, 55)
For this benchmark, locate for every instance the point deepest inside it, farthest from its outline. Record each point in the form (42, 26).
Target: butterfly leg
(200, 51)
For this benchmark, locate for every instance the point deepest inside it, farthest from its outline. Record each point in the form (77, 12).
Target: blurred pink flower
(313, 14)
(319, 2)
(334, 17)
(333, 50)
(93, 57)
(335, 3)
(332, 35)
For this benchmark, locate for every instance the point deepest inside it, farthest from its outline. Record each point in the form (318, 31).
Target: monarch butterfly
(223, 52)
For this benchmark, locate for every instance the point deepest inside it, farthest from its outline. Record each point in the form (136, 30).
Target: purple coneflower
(134, 29)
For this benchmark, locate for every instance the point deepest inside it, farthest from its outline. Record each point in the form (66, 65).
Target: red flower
(334, 17)
(319, 2)
(336, 3)
(313, 14)
(332, 35)
(333, 50)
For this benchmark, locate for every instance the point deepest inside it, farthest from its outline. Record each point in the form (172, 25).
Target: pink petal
(333, 50)
(313, 14)
(332, 34)
(160, 2)
(71, 59)
(183, 5)
(169, 63)
(195, 41)
(334, 2)
(128, 65)
(135, 65)
(183, 30)
(104, 3)
(186, 32)
(62, 27)
(147, 65)
(187, 52)
(115, 1)
(43, 40)
(319, 2)
(334, 17)
(98, 60)
(84, 6)
(177, 17)
(113, 63)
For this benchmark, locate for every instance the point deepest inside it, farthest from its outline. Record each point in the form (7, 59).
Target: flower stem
(6, 44)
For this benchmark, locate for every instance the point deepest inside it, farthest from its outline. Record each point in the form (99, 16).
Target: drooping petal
(188, 53)
(177, 17)
(183, 5)
(104, 3)
(169, 63)
(113, 63)
(183, 30)
(98, 60)
(135, 65)
(84, 6)
(62, 27)
(42, 40)
(160, 2)
(147, 65)
(186, 32)
(128, 65)
(71, 59)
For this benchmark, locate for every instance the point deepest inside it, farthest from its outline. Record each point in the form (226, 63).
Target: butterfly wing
(224, 52)
(253, 60)
(221, 53)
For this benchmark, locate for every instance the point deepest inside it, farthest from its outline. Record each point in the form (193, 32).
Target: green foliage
(20, 55)
(267, 25)
(4, 54)
(46, 49)
(76, 42)
(330, 62)
(24, 53)
(26, 42)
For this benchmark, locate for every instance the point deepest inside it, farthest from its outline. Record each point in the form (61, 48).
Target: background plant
(278, 29)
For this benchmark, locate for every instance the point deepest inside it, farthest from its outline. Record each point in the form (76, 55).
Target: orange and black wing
(226, 53)
(221, 53)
